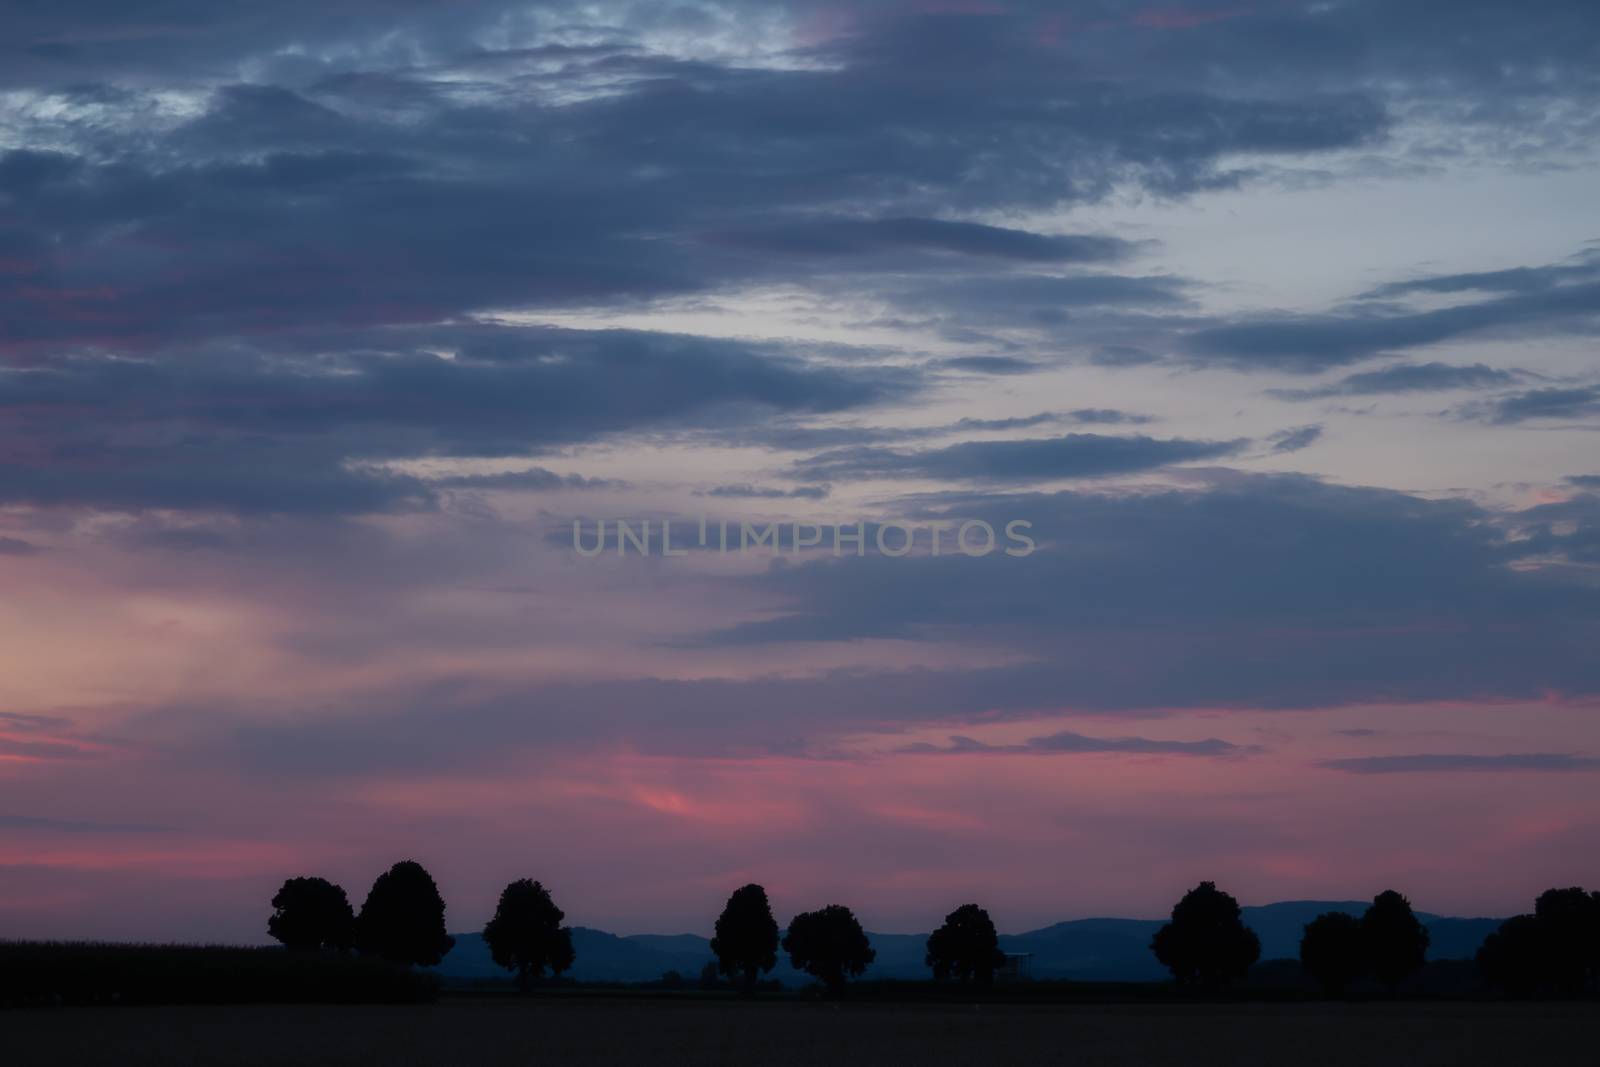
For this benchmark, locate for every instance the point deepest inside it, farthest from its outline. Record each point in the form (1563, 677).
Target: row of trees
(830, 945)
(1388, 943)
(402, 921)
(1206, 943)
(1554, 950)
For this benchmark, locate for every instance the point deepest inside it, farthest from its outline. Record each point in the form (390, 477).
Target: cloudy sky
(320, 323)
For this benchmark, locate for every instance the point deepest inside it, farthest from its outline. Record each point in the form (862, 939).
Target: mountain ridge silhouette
(1091, 949)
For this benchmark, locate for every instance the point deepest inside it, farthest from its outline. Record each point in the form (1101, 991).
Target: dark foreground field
(646, 1032)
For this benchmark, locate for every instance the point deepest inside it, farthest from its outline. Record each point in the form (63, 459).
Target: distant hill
(1087, 949)
(1458, 939)
(601, 957)
(1103, 949)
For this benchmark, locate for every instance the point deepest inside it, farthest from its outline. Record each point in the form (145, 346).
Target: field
(665, 1030)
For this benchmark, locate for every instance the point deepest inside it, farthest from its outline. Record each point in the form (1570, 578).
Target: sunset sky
(320, 323)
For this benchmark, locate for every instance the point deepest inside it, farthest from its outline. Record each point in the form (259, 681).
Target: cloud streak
(1429, 763)
(1406, 378)
(1066, 742)
(1528, 302)
(1075, 455)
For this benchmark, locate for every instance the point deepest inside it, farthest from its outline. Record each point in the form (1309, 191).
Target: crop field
(667, 1030)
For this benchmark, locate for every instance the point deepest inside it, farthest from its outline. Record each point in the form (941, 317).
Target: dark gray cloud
(1040, 299)
(1306, 344)
(262, 433)
(1252, 592)
(1019, 422)
(1406, 378)
(1510, 280)
(381, 170)
(1068, 743)
(781, 435)
(1107, 416)
(255, 298)
(1566, 530)
(680, 176)
(239, 480)
(1495, 65)
(531, 478)
(1427, 763)
(1122, 356)
(452, 724)
(1079, 416)
(1556, 402)
(767, 492)
(999, 365)
(1193, 599)
(75, 826)
(787, 435)
(68, 44)
(853, 238)
(1075, 455)
(1256, 591)
(1294, 440)
(1539, 301)
(249, 293)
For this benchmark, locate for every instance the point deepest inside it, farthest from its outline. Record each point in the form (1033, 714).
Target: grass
(87, 972)
(573, 1029)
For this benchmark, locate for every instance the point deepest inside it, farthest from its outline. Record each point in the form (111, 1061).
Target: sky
(322, 324)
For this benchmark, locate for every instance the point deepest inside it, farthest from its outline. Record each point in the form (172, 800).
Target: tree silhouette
(828, 945)
(966, 946)
(746, 938)
(1397, 943)
(1568, 928)
(1555, 949)
(311, 913)
(526, 934)
(1594, 936)
(1512, 958)
(1206, 942)
(1333, 951)
(403, 918)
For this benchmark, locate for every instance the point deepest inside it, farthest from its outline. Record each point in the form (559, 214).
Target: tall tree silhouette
(1569, 927)
(1594, 936)
(1512, 958)
(1556, 949)
(1206, 942)
(828, 945)
(1333, 951)
(403, 917)
(312, 913)
(1397, 943)
(746, 938)
(966, 946)
(526, 934)
(1593, 954)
